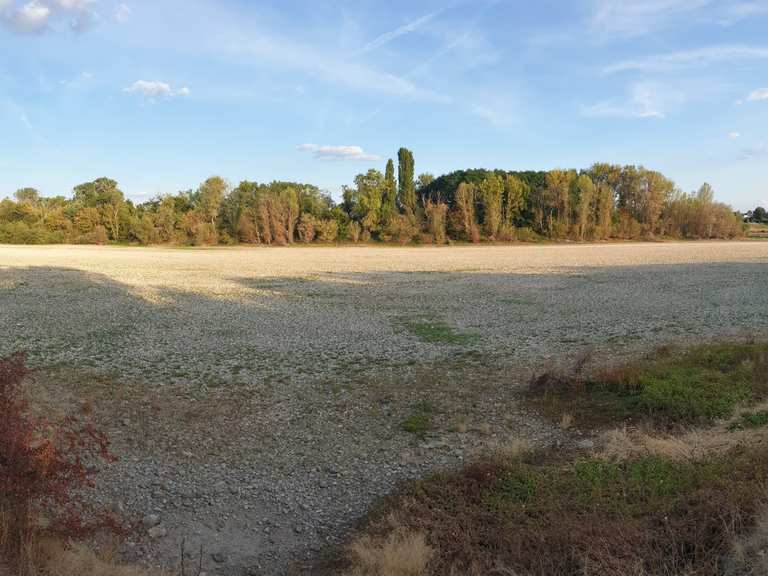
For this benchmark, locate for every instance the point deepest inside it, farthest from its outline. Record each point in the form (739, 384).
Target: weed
(436, 332)
(419, 420)
(750, 421)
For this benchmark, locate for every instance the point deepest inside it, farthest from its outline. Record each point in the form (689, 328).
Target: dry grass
(748, 555)
(53, 559)
(399, 553)
(45, 556)
(627, 442)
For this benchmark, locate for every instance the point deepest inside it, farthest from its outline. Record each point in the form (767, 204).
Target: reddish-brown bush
(44, 466)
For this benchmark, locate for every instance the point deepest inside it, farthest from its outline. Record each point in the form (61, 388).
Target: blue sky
(161, 94)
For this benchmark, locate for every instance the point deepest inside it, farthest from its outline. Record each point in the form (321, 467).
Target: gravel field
(256, 396)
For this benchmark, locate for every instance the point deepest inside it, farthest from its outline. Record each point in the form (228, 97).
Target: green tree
(557, 201)
(584, 192)
(27, 196)
(389, 207)
(491, 196)
(516, 194)
(210, 196)
(405, 174)
(464, 217)
(104, 195)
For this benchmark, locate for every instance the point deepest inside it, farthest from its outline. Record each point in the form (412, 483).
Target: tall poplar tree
(389, 204)
(405, 172)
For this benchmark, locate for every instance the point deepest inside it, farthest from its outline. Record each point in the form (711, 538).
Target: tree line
(602, 202)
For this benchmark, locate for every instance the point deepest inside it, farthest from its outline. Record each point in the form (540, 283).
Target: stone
(157, 532)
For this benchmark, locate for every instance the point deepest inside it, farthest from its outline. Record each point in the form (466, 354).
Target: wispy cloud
(337, 153)
(406, 28)
(12, 112)
(758, 95)
(754, 152)
(154, 89)
(739, 11)
(36, 16)
(638, 17)
(674, 61)
(332, 68)
(632, 18)
(646, 100)
(78, 81)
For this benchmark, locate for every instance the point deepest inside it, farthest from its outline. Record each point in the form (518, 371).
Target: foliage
(602, 202)
(44, 467)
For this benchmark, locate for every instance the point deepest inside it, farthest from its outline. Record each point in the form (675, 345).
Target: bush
(44, 468)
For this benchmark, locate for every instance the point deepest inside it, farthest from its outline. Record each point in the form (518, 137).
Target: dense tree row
(602, 202)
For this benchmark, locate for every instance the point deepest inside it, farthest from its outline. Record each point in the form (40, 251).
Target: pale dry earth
(256, 396)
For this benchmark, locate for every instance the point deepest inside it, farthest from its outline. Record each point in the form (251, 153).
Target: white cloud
(122, 13)
(153, 89)
(733, 135)
(646, 100)
(407, 28)
(758, 95)
(637, 17)
(337, 153)
(690, 58)
(36, 16)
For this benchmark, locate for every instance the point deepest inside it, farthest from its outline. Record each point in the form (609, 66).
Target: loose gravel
(256, 396)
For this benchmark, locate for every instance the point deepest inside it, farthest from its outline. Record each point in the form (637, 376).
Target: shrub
(327, 230)
(44, 467)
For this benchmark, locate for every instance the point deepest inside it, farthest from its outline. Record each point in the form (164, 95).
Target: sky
(160, 94)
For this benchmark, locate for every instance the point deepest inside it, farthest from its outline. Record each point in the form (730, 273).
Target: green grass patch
(435, 332)
(750, 421)
(695, 387)
(419, 421)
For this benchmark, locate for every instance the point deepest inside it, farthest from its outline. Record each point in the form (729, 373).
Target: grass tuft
(435, 332)
(419, 421)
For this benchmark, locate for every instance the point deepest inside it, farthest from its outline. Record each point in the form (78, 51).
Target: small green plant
(419, 421)
(750, 421)
(435, 332)
(516, 486)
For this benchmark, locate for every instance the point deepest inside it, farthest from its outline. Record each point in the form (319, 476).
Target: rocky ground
(257, 397)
